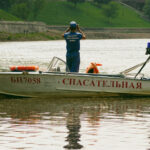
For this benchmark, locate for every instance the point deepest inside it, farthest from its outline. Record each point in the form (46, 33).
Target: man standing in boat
(73, 35)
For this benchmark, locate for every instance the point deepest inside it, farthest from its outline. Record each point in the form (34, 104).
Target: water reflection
(73, 126)
(74, 123)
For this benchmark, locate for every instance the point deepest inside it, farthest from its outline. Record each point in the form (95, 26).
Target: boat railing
(57, 65)
(88, 74)
(132, 75)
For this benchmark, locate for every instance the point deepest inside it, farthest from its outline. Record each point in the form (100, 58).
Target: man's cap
(73, 25)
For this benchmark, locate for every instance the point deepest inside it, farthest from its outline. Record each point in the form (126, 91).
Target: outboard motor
(147, 53)
(148, 48)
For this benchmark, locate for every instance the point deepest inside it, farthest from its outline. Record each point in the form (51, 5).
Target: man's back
(73, 42)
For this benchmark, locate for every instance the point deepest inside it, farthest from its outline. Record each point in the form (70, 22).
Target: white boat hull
(69, 85)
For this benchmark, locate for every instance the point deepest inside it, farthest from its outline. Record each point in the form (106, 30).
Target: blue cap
(73, 25)
(148, 45)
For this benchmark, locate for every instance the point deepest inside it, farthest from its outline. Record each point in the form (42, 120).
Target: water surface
(116, 123)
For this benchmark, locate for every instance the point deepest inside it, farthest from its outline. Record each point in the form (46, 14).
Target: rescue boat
(29, 81)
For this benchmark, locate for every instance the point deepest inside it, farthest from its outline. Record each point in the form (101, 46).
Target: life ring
(24, 68)
(92, 68)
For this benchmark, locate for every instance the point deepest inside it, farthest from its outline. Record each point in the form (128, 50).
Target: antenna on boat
(147, 53)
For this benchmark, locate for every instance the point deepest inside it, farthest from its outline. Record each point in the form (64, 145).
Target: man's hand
(83, 35)
(68, 29)
(78, 29)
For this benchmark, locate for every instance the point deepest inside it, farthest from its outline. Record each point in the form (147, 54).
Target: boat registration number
(28, 80)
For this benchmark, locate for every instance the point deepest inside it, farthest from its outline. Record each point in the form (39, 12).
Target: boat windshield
(57, 65)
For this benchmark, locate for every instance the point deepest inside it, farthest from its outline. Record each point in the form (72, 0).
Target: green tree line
(25, 9)
(99, 2)
(146, 8)
(22, 8)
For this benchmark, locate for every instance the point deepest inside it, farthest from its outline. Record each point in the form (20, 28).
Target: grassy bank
(88, 15)
(53, 35)
(90, 34)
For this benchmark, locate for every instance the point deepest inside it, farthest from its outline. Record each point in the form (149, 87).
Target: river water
(116, 123)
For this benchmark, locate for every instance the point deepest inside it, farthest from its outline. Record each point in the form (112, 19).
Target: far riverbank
(54, 33)
(41, 36)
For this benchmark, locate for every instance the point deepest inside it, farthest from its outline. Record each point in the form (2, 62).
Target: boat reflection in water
(73, 123)
(73, 126)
